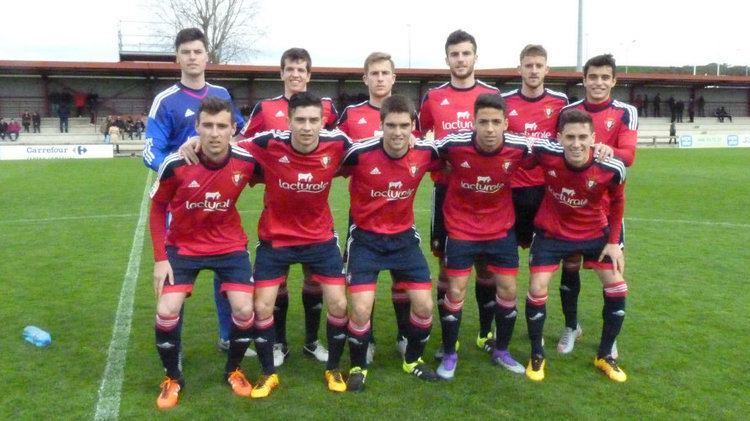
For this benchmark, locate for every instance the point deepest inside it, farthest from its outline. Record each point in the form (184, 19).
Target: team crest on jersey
(590, 183)
(507, 165)
(237, 177)
(609, 123)
(325, 160)
(548, 111)
(413, 170)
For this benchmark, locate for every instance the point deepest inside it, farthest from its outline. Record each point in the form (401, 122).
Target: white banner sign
(715, 140)
(14, 152)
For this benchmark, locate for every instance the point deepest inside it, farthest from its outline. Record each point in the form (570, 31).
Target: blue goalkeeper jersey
(171, 120)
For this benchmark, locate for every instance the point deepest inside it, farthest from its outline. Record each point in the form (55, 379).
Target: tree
(229, 25)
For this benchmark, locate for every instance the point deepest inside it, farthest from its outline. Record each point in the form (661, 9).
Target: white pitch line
(108, 403)
(685, 221)
(66, 218)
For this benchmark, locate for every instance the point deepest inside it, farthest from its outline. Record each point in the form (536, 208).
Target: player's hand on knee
(189, 150)
(162, 273)
(615, 254)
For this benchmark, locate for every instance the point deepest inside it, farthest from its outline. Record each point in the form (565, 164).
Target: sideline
(108, 402)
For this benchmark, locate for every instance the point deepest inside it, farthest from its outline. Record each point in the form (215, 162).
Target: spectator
(130, 127)
(3, 129)
(679, 110)
(701, 106)
(645, 105)
(638, 102)
(140, 126)
(92, 103)
(63, 112)
(36, 122)
(14, 128)
(671, 106)
(26, 120)
(105, 129)
(691, 109)
(79, 100)
(672, 133)
(721, 114)
(657, 105)
(120, 123)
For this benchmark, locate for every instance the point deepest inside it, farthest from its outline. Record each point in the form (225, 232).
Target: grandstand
(128, 87)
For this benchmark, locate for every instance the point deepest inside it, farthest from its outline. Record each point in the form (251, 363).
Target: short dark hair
(574, 116)
(296, 54)
(532, 50)
(213, 105)
(304, 99)
(188, 35)
(376, 57)
(489, 101)
(397, 104)
(458, 36)
(598, 61)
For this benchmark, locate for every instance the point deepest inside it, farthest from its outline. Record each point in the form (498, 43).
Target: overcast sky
(343, 32)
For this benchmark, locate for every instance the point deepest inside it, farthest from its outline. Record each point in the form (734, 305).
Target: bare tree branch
(230, 25)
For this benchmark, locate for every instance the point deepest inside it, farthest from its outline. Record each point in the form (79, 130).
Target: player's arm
(161, 193)
(627, 138)
(616, 213)
(330, 115)
(343, 123)
(426, 120)
(254, 123)
(158, 131)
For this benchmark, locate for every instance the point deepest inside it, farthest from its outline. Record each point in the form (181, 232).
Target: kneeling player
(573, 220)
(479, 218)
(385, 174)
(205, 233)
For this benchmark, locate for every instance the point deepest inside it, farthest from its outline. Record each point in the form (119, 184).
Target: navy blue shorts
(369, 253)
(438, 233)
(526, 202)
(501, 255)
(323, 260)
(547, 252)
(233, 271)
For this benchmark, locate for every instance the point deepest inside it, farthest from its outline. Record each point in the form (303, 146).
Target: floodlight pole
(579, 57)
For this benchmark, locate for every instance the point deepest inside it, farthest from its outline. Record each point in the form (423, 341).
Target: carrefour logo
(733, 140)
(686, 141)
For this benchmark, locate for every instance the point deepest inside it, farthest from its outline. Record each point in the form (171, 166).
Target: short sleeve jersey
(272, 113)
(478, 205)
(360, 121)
(534, 118)
(202, 200)
(171, 120)
(295, 202)
(382, 189)
(446, 109)
(573, 207)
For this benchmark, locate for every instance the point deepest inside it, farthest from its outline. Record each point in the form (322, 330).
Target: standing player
(296, 226)
(446, 109)
(581, 213)
(479, 219)
(205, 233)
(171, 122)
(271, 114)
(532, 111)
(362, 121)
(615, 125)
(385, 174)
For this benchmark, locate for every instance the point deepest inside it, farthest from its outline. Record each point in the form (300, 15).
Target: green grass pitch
(67, 229)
